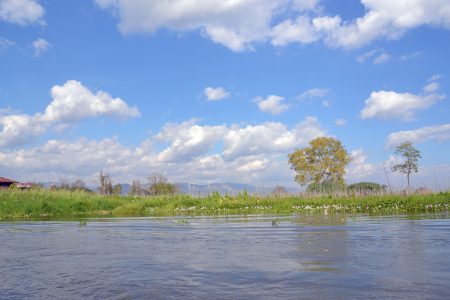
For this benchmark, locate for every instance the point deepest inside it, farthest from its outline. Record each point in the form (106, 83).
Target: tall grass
(16, 204)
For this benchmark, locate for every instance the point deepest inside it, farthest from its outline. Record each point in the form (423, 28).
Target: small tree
(323, 160)
(158, 185)
(117, 190)
(411, 156)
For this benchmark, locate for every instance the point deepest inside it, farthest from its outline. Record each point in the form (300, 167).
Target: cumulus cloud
(234, 24)
(300, 30)
(40, 46)
(200, 153)
(359, 167)
(254, 154)
(215, 94)
(71, 103)
(240, 24)
(388, 20)
(393, 105)
(21, 12)
(272, 104)
(438, 132)
(188, 140)
(271, 137)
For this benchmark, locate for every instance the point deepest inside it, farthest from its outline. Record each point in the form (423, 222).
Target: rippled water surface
(307, 257)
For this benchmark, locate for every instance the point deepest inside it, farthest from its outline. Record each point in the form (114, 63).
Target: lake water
(307, 257)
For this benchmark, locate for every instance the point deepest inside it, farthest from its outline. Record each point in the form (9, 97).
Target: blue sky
(220, 91)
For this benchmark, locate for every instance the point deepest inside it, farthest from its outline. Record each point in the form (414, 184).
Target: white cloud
(305, 5)
(251, 154)
(362, 58)
(388, 20)
(215, 94)
(40, 46)
(240, 24)
(340, 122)
(21, 12)
(188, 140)
(381, 59)
(20, 128)
(235, 24)
(431, 87)
(376, 56)
(71, 103)
(314, 93)
(272, 104)
(221, 153)
(359, 167)
(393, 105)
(439, 133)
(300, 30)
(274, 138)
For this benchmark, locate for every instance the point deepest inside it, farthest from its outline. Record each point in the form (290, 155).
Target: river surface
(293, 257)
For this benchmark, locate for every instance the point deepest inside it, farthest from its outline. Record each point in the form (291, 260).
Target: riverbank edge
(23, 205)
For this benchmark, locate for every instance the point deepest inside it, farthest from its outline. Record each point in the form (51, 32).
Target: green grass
(31, 204)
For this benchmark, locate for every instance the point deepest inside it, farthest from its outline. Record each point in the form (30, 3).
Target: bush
(366, 187)
(326, 187)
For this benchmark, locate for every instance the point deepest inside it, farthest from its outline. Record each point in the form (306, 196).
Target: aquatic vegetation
(28, 204)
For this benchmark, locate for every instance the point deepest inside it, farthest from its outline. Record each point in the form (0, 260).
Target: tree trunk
(407, 175)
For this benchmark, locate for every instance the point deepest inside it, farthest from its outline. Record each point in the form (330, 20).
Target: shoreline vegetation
(59, 204)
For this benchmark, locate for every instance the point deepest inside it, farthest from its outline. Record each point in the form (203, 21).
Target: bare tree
(136, 188)
(105, 184)
(78, 185)
(64, 184)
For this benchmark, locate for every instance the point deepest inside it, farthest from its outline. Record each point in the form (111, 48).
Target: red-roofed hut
(5, 182)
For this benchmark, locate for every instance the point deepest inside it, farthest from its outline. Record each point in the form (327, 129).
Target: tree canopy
(323, 160)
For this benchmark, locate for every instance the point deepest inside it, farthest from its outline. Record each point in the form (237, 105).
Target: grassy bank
(31, 204)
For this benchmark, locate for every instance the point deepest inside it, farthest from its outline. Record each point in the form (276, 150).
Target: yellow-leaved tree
(323, 161)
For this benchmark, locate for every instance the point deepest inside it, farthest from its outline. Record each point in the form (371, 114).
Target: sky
(207, 91)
